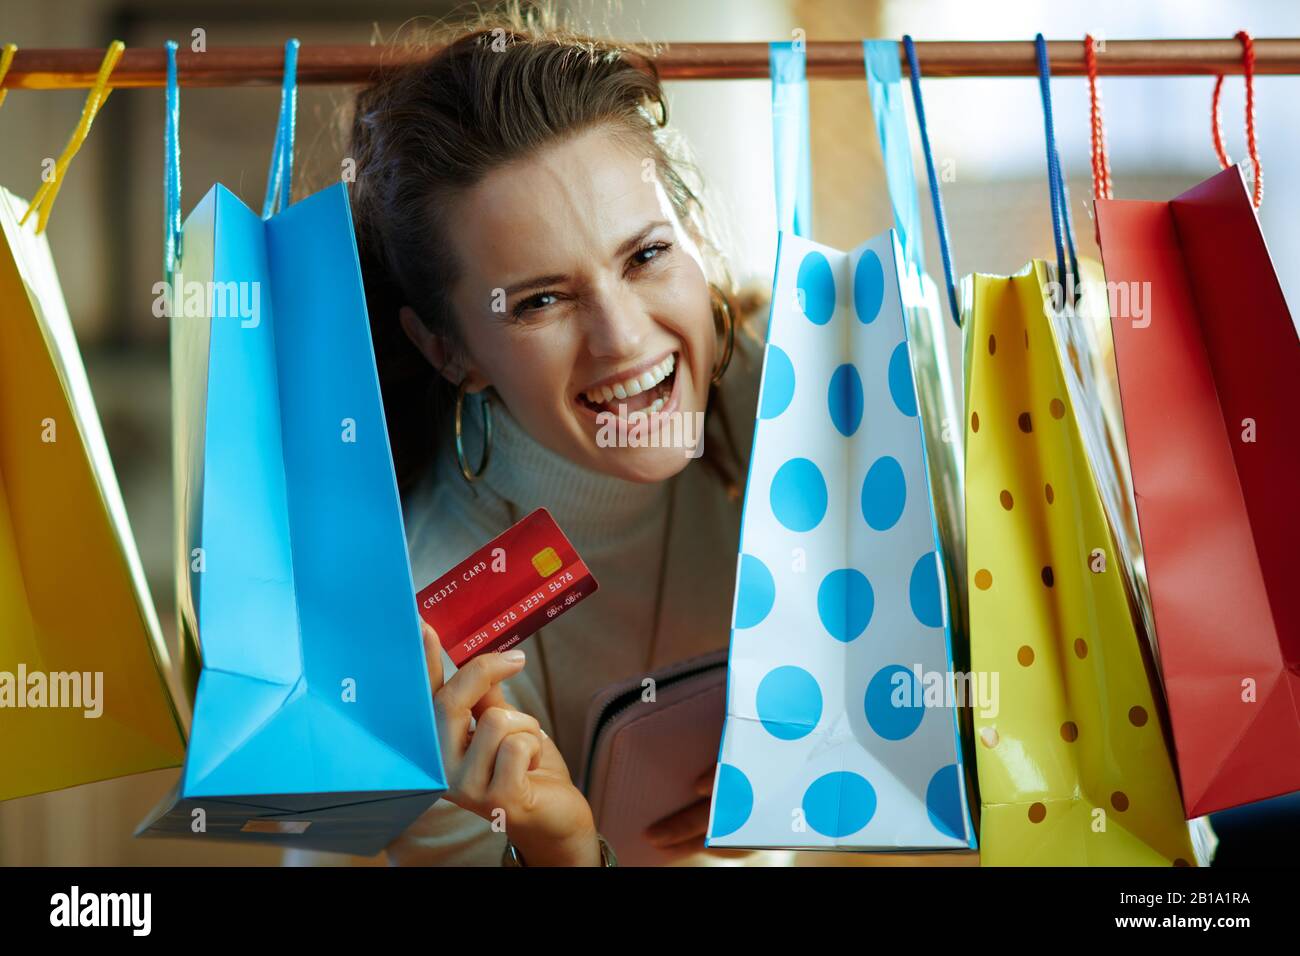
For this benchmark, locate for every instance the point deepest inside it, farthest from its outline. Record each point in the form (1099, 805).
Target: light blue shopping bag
(313, 722)
(840, 730)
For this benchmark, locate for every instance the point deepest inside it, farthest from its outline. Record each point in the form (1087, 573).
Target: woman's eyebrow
(633, 241)
(536, 283)
(624, 248)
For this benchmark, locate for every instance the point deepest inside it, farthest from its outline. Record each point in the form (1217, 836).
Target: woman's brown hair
(494, 90)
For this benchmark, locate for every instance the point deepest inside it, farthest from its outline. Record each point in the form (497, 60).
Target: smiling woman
(519, 194)
(602, 286)
(537, 270)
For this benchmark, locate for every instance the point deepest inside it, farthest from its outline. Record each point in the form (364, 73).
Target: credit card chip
(547, 562)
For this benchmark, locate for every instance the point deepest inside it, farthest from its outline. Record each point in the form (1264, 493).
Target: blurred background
(107, 227)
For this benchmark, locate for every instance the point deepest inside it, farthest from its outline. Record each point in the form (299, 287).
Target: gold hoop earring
(722, 304)
(469, 475)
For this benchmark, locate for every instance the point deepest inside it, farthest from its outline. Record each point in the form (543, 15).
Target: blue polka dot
(844, 397)
(884, 493)
(845, 603)
(755, 593)
(789, 703)
(943, 802)
(798, 495)
(816, 288)
(733, 801)
(868, 287)
(778, 384)
(839, 803)
(895, 705)
(923, 591)
(900, 380)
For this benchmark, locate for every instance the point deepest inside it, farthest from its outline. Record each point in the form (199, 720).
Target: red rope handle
(1216, 126)
(1101, 185)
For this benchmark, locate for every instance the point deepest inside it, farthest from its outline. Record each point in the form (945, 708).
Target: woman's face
(582, 300)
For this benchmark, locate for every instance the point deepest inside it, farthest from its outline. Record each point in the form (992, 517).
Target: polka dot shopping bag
(1073, 762)
(840, 731)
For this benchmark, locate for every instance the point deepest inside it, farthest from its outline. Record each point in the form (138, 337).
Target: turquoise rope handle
(884, 83)
(171, 169)
(791, 137)
(279, 178)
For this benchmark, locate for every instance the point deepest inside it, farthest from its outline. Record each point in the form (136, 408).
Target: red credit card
(507, 590)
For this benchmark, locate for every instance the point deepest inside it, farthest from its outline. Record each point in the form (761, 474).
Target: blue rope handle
(171, 169)
(791, 137)
(279, 178)
(940, 221)
(1060, 197)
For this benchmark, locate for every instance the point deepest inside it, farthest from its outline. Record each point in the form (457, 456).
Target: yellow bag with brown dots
(1073, 764)
(1072, 755)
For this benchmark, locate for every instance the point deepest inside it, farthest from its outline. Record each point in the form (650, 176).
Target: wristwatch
(513, 858)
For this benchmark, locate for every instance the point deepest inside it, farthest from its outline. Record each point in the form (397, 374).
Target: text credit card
(505, 591)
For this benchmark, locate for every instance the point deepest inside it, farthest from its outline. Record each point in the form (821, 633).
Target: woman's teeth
(634, 386)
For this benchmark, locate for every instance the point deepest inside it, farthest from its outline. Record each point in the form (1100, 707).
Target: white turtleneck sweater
(620, 529)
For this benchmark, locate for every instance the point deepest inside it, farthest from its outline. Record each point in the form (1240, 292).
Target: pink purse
(643, 756)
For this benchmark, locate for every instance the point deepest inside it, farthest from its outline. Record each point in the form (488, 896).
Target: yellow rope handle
(6, 60)
(49, 191)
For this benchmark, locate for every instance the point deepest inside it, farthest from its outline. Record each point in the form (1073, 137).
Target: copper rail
(37, 69)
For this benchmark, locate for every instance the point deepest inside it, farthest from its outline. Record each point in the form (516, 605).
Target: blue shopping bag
(840, 730)
(313, 721)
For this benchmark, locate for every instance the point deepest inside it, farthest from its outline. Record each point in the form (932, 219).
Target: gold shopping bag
(84, 692)
(1074, 765)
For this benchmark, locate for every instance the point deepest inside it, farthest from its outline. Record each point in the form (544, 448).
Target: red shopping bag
(1208, 366)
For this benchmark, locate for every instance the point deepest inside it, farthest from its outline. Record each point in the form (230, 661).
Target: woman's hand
(682, 834)
(499, 761)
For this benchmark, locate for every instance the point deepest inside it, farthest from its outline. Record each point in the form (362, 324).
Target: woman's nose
(617, 324)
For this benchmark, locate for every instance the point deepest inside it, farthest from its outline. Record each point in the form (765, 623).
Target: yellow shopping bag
(84, 686)
(1073, 762)
(1072, 751)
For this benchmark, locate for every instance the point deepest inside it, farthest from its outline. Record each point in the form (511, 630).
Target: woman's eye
(648, 253)
(535, 303)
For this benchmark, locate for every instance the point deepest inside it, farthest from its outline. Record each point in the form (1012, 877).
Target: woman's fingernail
(515, 656)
